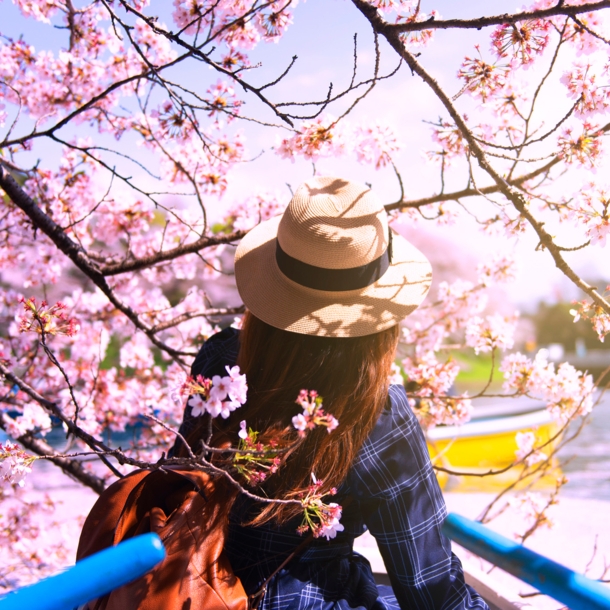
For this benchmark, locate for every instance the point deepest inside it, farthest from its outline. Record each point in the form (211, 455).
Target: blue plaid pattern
(393, 492)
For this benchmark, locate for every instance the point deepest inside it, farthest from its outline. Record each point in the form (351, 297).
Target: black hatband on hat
(341, 280)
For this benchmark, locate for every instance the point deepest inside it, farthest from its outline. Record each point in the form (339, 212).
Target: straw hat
(330, 265)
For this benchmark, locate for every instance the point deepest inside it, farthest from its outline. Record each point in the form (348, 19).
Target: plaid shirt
(394, 493)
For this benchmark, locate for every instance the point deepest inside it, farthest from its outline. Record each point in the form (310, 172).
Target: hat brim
(282, 303)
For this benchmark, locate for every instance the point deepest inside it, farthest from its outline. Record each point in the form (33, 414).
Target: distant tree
(555, 324)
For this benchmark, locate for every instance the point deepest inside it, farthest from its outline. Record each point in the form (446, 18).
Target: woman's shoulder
(395, 453)
(397, 420)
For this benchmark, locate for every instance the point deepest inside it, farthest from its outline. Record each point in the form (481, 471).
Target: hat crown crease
(334, 224)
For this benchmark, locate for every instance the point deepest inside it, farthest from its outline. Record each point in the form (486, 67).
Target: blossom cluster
(374, 143)
(501, 268)
(534, 508)
(583, 148)
(217, 396)
(492, 332)
(33, 418)
(521, 42)
(315, 139)
(591, 96)
(323, 519)
(255, 460)
(237, 24)
(592, 211)
(482, 79)
(15, 464)
(567, 391)
(34, 543)
(246, 214)
(455, 313)
(313, 414)
(599, 318)
(47, 320)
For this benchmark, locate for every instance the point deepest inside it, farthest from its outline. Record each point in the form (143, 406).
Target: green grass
(475, 371)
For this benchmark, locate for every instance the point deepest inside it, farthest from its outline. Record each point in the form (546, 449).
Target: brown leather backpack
(188, 510)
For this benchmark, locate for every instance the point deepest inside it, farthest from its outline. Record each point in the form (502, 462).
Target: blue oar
(90, 578)
(548, 576)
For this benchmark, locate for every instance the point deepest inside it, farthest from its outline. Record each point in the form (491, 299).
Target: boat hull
(488, 445)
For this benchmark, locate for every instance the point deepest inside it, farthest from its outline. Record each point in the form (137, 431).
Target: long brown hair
(350, 374)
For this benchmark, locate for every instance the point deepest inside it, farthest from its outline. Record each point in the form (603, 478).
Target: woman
(325, 286)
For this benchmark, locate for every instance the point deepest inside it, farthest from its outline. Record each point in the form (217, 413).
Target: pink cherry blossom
(500, 269)
(584, 148)
(493, 332)
(272, 24)
(533, 506)
(419, 38)
(584, 87)
(522, 41)
(592, 311)
(43, 319)
(313, 414)
(220, 389)
(33, 418)
(592, 210)
(15, 464)
(314, 139)
(450, 139)
(330, 525)
(197, 404)
(136, 353)
(376, 144)
(482, 79)
(299, 422)
(567, 392)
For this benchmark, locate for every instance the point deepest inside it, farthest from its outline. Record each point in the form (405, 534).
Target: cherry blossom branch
(540, 516)
(77, 255)
(87, 105)
(103, 452)
(208, 313)
(143, 262)
(176, 432)
(539, 468)
(56, 410)
(197, 52)
(481, 22)
(72, 467)
(587, 29)
(508, 190)
(523, 460)
(470, 192)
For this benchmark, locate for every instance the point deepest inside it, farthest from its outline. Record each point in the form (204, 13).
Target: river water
(586, 459)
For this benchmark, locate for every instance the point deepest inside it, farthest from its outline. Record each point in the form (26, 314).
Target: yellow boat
(487, 443)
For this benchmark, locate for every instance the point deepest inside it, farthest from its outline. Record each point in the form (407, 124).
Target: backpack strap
(255, 599)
